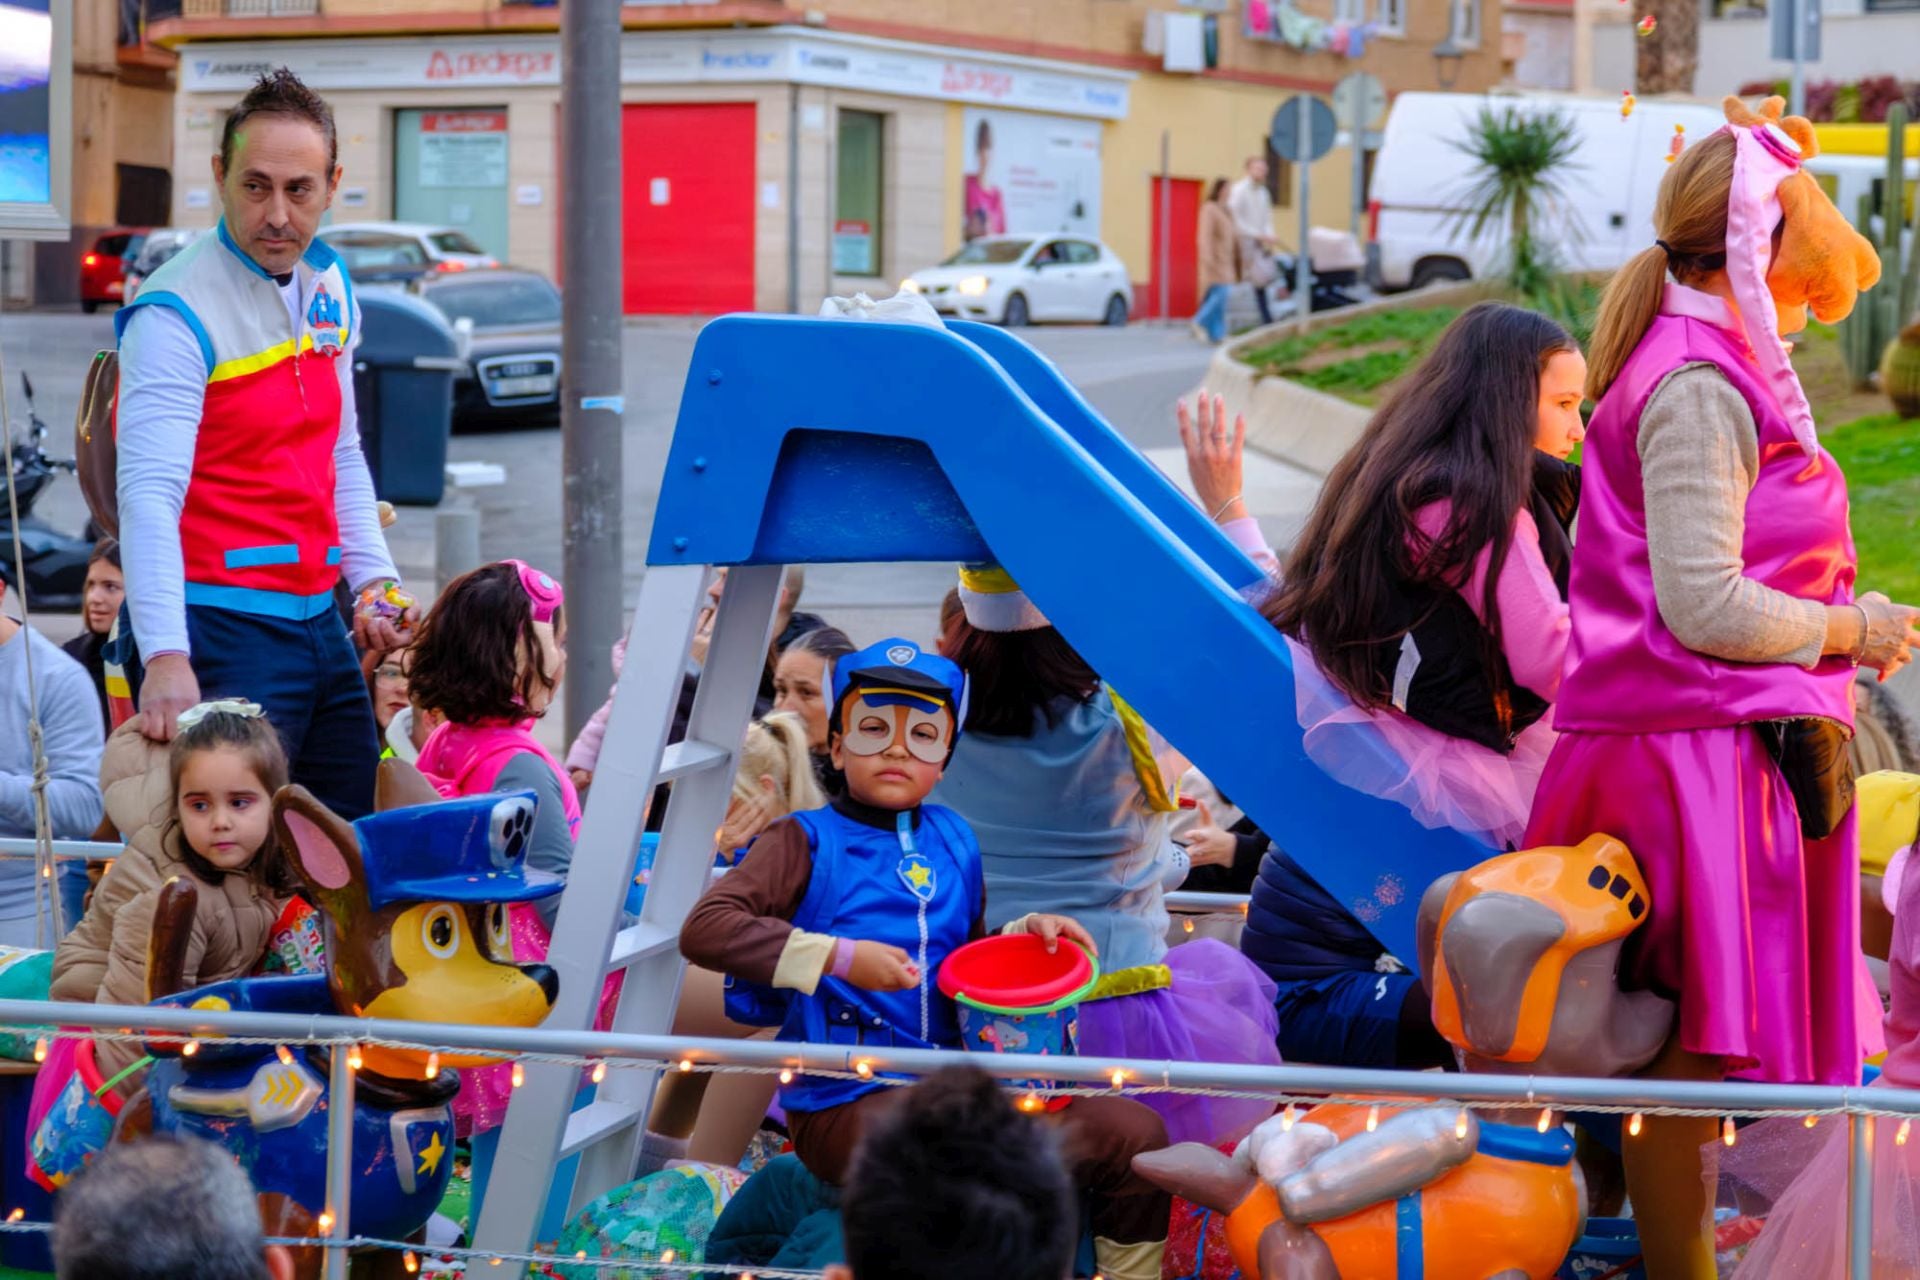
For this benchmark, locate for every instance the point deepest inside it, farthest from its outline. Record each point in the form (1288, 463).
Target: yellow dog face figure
(417, 901)
(1521, 955)
(1822, 264)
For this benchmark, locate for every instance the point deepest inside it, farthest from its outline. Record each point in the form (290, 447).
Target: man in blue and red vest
(243, 495)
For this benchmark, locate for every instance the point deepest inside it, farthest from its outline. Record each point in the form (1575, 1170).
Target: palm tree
(1665, 60)
(1519, 161)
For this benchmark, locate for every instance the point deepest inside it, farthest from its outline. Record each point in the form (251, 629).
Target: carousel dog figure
(413, 899)
(1521, 953)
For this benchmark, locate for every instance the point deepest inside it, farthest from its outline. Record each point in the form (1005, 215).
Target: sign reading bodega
(492, 64)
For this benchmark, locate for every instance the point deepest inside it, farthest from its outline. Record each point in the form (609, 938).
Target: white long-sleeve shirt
(163, 384)
(1252, 209)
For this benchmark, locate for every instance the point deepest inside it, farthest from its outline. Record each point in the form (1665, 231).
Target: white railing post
(339, 1158)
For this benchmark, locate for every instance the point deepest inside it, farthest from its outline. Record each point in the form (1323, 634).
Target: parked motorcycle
(56, 562)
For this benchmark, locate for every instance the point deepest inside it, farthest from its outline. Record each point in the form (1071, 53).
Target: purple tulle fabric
(481, 1104)
(1219, 1009)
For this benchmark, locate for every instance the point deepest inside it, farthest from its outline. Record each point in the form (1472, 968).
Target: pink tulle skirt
(1755, 930)
(481, 1104)
(1219, 1009)
(1797, 1179)
(1442, 781)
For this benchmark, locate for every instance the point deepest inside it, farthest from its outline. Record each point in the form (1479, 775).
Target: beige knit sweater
(1699, 458)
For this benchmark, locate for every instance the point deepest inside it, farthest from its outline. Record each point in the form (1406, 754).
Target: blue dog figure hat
(899, 672)
(472, 849)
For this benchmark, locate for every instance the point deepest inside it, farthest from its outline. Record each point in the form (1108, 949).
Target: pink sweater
(1533, 618)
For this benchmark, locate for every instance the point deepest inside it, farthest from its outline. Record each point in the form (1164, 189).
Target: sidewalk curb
(1291, 423)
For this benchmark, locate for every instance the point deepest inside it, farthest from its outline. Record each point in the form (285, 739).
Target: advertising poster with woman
(1029, 173)
(26, 60)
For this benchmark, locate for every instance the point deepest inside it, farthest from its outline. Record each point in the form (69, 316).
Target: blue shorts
(1349, 1019)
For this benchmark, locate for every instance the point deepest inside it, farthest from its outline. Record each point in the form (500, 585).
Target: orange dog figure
(1432, 1193)
(1521, 954)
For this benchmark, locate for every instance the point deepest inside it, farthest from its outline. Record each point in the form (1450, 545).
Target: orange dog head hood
(1822, 265)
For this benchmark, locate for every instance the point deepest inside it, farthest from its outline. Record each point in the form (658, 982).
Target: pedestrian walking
(1219, 251)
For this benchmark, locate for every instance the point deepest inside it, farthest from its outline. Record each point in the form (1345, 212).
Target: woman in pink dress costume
(1700, 635)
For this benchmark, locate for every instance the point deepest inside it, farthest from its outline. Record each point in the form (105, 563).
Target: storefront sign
(808, 57)
(463, 149)
(852, 248)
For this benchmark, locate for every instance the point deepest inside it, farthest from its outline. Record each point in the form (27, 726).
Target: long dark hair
(1213, 192)
(257, 740)
(467, 659)
(1461, 427)
(1012, 675)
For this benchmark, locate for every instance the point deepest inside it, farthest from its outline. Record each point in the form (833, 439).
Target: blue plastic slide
(812, 441)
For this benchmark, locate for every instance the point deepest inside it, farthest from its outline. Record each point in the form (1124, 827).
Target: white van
(1421, 181)
(1846, 178)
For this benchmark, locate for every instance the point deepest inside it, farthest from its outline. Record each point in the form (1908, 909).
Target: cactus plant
(1879, 315)
(1900, 372)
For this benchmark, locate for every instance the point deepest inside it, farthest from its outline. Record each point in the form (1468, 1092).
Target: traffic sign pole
(1303, 261)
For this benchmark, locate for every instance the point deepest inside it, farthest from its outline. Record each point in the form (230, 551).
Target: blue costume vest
(867, 883)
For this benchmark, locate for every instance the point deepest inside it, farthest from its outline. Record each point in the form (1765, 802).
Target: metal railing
(1285, 1085)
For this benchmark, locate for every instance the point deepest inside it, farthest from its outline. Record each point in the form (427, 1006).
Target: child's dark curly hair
(256, 738)
(467, 659)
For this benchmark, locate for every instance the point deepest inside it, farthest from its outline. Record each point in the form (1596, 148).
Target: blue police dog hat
(899, 671)
(471, 849)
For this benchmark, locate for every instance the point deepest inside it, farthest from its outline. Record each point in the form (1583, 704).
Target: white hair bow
(228, 706)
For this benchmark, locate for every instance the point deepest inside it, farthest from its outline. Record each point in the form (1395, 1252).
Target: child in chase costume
(836, 921)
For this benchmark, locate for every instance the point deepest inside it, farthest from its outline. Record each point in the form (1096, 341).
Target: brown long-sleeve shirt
(743, 925)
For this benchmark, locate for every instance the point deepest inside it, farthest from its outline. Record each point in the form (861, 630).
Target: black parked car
(510, 319)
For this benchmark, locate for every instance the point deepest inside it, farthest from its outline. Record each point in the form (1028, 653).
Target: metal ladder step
(638, 942)
(599, 1119)
(688, 757)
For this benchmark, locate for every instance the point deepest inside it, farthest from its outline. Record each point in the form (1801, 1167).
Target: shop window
(1466, 23)
(858, 183)
(144, 195)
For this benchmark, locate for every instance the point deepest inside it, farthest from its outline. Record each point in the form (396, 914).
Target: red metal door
(688, 172)
(1182, 250)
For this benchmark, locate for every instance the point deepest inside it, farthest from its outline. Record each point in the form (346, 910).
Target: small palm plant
(1519, 163)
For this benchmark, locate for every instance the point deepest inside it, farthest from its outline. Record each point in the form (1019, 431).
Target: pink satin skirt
(1754, 930)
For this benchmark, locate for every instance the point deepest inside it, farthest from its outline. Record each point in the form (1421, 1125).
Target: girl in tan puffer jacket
(204, 811)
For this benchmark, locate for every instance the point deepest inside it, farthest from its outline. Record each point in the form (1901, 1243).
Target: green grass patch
(1354, 359)
(1881, 457)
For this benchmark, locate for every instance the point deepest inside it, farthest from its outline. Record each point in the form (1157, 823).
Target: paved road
(1133, 376)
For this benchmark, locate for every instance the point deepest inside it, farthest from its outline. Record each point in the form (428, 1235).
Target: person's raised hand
(1891, 635)
(1209, 845)
(1050, 929)
(1215, 455)
(879, 967)
(168, 688)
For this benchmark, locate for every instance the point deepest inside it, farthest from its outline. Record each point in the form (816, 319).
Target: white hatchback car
(1016, 280)
(402, 244)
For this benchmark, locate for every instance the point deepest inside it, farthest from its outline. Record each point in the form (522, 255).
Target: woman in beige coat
(1219, 269)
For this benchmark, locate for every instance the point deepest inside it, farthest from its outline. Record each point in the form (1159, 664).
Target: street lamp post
(1447, 57)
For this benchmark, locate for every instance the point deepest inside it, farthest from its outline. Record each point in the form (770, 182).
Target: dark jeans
(306, 677)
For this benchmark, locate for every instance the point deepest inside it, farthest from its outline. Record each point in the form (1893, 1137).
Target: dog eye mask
(870, 730)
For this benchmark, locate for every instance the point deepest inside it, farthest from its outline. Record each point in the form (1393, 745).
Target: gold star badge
(919, 875)
(430, 1158)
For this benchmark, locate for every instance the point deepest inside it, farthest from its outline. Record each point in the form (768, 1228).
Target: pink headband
(1764, 157)
(542, 592)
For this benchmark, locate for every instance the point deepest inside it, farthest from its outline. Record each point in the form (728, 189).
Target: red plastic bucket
(1015, 997)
